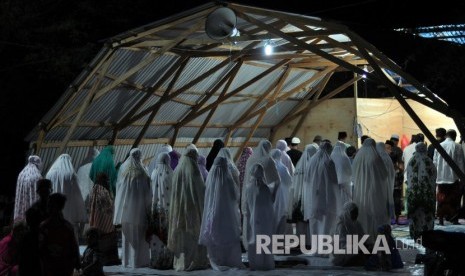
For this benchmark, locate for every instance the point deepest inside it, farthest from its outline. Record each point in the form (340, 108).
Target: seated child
(91, 263)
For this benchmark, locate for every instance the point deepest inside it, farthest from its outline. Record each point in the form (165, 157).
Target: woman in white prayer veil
(282, 146)
(381, 148)
(258, 217)
(281, 203)
(26, 187)
(261, 155)
(221, 229)
(297, 191)
(64, 181)
(321, 192)
(154, 162)
(370, 178)
(344, 174)
(161, 189)
(132, 210)
(84, 181)
(185, 214)
(161, 182)
(226, 153)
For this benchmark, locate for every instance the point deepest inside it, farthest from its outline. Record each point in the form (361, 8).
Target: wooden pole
(252, 131)
(225, 89)
(85, 104)
(321, 87)
(155, 110)
(180, 63)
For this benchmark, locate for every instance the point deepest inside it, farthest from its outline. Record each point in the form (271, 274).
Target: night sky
(45, 44)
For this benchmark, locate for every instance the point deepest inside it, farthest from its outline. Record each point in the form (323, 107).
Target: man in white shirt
(447, 181)
(410, 150)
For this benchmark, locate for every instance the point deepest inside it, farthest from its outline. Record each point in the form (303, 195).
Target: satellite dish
(221, 23)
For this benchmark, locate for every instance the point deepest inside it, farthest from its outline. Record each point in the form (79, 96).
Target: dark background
(45, 44)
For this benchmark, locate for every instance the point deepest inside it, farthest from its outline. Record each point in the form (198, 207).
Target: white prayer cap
(395, 136)
(295, 140)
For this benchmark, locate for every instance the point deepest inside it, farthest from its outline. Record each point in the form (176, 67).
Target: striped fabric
(101, 209)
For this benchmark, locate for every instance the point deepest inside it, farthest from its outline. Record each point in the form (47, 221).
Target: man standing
(396, 156)
(294, 153)
(440, 136)
(447, 181)
(341, 137)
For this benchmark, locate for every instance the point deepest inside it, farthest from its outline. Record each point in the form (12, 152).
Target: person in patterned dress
(26, 187)
(421, 180)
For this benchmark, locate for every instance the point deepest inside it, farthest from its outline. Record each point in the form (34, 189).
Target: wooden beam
(175, 136)
(240, 88)
(193, 82)
(303, 85)
(210, 114)
(314, 21)
(160, 104)
(274, 87)
(114, 136)
(228, 78)
(242, 38)
(204, 124)
(77, 90)
(86, 102)
(394, 67)
(252, 131)
(179, 65)
(142, 64)
(302, 44)
(325, 63)
(128, 142)
(284, 97)
(327, 96)
(395, 91)
(40, 140)
(150, 59)
(320, 89)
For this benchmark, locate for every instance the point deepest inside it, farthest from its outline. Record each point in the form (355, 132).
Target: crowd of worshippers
(188, 212)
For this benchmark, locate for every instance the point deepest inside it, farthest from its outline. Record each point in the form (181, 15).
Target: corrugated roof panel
(130, 132)
(126, 59)
(171, 111)
(261, 133)
(47, 155)
(150, 75)
(276, 113)
(57, 133)
(112, 106)
(90, 133)
(196, 67)
(190, 97)
(188, 132)
(149, 103)
(201, 118)
(302, 94)
(76, 102)
(214, 132)
(296, 78)
(229, 113)
(248, 72)
(159, 131)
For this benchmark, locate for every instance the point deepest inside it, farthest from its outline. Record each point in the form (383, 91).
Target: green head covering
(104, 163)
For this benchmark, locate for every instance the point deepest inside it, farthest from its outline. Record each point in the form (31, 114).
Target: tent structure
(169, 82)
